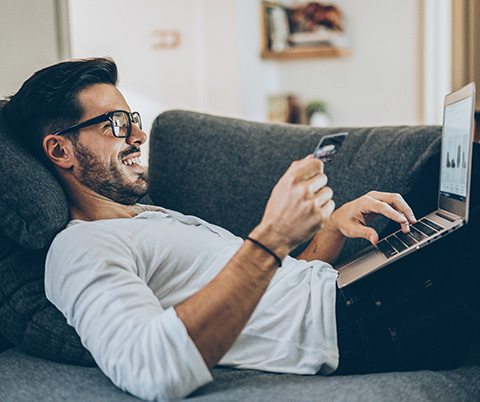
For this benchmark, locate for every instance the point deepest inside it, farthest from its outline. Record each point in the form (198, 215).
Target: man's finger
(381, 207)
(323, 196)
(364, 232)
(316, 184)
(397, 202)
(308, 167)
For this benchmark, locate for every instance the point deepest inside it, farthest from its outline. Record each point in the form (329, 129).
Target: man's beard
(108, 179)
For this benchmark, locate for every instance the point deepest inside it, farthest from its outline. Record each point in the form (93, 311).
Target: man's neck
(89, 206)
(106, 211)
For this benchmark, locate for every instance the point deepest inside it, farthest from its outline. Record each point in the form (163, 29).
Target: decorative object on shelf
(284, 109)
(309, 29)
(279, 29)
(311, 16)
(317, 114)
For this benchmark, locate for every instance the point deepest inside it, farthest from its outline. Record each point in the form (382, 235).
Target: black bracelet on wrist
(265, 248)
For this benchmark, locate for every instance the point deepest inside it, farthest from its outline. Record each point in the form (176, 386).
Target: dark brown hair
(48, 101)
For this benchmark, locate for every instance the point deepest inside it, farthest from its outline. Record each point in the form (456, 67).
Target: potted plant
(317, 114)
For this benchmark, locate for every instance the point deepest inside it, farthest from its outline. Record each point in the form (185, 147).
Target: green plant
(316, 106)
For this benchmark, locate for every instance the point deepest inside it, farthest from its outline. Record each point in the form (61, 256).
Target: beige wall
(200, 73)
(380, 83)
(218, 69)
(28, 40)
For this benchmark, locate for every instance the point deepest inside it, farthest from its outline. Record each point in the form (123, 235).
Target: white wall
(217, 68)
(380, 83)
(28, 40)
(200, 74)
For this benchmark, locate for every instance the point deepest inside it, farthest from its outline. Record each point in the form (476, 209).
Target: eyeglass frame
(105, 117)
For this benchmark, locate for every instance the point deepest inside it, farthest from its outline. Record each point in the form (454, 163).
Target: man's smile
(132, 161)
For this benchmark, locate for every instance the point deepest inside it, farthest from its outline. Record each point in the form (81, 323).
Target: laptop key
(429, 231)
(407, 239)
(385, 247)
(416, 234)
(395, 242)
(432, 224)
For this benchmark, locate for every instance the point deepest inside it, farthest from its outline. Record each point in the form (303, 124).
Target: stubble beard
(108, 179)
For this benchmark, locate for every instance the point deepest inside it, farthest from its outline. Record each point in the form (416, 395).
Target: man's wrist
(270, 239)
(266, 249)
(332, 228)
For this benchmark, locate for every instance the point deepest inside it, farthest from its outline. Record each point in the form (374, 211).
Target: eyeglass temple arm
(86, 123)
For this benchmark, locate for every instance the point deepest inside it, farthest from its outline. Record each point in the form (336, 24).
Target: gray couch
(223, 171)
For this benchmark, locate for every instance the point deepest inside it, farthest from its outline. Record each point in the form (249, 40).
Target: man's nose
(137, 136)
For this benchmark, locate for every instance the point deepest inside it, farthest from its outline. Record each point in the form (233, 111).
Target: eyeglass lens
(121, 124)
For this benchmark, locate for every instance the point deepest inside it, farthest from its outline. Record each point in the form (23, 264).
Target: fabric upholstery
(33, 208)
(27, 318)
(223, 169)
(4, 343)
(27, 378)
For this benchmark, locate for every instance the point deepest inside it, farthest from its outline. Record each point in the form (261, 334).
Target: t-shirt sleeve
(92, 277)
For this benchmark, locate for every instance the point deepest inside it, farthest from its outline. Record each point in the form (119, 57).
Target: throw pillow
(33, 207)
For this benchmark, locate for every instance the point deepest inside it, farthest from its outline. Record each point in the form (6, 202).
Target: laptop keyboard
(400, 241)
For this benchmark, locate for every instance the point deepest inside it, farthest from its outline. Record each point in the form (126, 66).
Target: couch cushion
(4, 343)
(223, 169)
(26, 378)
(27, 318)
(33, 207)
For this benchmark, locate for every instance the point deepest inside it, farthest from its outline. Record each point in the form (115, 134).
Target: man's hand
(299, 205)
(351, 219)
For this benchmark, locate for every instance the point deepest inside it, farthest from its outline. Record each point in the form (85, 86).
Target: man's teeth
(132, 161)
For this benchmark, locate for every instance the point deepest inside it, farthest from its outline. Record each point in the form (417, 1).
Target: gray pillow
(33, 207)
(27, 318)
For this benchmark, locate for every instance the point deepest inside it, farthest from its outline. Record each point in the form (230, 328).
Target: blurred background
(359, 63)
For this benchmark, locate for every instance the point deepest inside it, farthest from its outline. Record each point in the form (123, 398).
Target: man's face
(108, 165)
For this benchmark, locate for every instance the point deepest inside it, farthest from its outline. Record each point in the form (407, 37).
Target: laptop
(453, 197)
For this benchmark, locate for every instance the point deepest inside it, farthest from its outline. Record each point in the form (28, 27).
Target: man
(159, 298)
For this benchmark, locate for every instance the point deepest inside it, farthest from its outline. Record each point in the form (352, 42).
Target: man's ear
(59, 150)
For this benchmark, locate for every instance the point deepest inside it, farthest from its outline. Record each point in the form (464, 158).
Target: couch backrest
(223, 169)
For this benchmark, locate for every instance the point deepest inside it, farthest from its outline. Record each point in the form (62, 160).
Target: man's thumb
(371, 235)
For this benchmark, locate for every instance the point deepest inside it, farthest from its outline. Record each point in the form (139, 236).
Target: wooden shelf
(304, 52)
(294, 52)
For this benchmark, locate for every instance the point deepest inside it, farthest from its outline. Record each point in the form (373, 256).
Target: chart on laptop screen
(453, 176)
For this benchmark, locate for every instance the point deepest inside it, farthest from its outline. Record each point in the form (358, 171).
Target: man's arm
(298, 206)
(351, 220)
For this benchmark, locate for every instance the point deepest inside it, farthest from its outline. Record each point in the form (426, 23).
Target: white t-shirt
(117, 281)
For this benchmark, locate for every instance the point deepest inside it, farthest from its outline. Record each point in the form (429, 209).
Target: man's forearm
(215, 316)
(298, 205)
(326, 245)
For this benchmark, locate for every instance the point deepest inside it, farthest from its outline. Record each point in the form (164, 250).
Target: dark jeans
(421, 312)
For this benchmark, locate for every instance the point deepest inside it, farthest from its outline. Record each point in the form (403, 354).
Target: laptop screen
(455, 149)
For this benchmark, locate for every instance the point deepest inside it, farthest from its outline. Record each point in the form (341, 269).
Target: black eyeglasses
(120, 123)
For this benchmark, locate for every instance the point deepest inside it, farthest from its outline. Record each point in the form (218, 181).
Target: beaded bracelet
(277, 258)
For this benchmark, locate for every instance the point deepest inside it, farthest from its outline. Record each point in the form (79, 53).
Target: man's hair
(48, 101)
